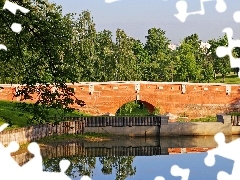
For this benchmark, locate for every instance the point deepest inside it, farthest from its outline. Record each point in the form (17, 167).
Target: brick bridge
(192, 99)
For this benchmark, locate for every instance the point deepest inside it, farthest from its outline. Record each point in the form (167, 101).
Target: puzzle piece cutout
(182, 9)
(35, 165)
(33, 168)
(222, 51)
(236, 16)
(36, 162)
(226, 150)
(111, 1)
(16, 27)
(85, 178)
(5, 155)
(177, 171)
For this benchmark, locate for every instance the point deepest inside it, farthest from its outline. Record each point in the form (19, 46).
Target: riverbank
(71, 138)
(88, 137)
(154, 126)
(17, 118)
(135, 146)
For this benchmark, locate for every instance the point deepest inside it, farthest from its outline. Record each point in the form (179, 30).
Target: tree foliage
(82, 165)
(42, 53)
(57, 49)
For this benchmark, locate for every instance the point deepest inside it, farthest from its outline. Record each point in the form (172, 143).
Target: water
(135, 158)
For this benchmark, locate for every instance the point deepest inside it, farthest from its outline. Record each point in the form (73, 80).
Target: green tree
(42, 53)
(171, 66)
(122, 165)
(187, 68)
(220, 65)
(128, 108)
(207, 68)
(157, 48)
(142, 60)
(124, 57)
(81, 164)
(84, 47)
(105, 64)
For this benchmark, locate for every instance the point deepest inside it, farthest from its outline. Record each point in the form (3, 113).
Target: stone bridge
(179, 98)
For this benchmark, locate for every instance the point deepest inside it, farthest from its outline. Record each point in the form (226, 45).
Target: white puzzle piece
(32, 169)
(182, 9)
(226, 150)
(111, 1)
(177, 171)
(15, 27)
(223, 51)
(10, 168)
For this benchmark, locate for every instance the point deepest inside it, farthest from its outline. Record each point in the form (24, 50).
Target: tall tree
(124, 57)
(122, 165)
(105, 64)
(84, 47)
(142, 60)
(220, 65)
(157, 48)
(187, 67)
(41, 53)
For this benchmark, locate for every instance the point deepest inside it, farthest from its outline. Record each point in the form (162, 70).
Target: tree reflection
(80, 164)
(122, 165)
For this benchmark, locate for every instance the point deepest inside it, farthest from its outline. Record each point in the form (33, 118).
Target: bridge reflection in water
(118, 154)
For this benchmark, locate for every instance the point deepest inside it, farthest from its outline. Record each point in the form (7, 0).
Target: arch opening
(137, 108)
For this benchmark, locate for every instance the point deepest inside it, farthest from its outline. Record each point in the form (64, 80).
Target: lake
(134, 158)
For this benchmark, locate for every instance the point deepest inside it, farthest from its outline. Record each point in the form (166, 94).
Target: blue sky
(135, 17)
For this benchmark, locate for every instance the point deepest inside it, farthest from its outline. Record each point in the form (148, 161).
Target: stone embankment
(154, 126)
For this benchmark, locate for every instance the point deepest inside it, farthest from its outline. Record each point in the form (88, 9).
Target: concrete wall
(195, 129)
(172, 129)
(223, 125)
(32, 133)
(165, 128)
(129, 131)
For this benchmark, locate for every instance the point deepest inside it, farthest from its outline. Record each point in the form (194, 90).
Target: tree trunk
(223, 78)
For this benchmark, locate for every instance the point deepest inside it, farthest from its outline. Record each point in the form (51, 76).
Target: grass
(135, 112)
(75, 137)
(9, 113)
(229, 79)
(67, 138)
(205, 119)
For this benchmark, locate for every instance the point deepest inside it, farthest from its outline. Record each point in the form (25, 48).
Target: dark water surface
(135, 158)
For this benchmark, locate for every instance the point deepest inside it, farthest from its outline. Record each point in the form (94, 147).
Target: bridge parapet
(193, 99)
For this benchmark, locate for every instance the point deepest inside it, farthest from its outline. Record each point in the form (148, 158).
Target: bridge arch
(143, 105)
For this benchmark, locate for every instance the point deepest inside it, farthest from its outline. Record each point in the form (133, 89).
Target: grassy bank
(9, 113)
(229, 79)
(68, 138)
(56, 139)
(205, 119)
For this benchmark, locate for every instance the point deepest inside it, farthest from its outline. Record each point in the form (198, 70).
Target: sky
(136, 17)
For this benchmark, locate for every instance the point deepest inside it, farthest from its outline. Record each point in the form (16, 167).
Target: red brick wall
(197, 101)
